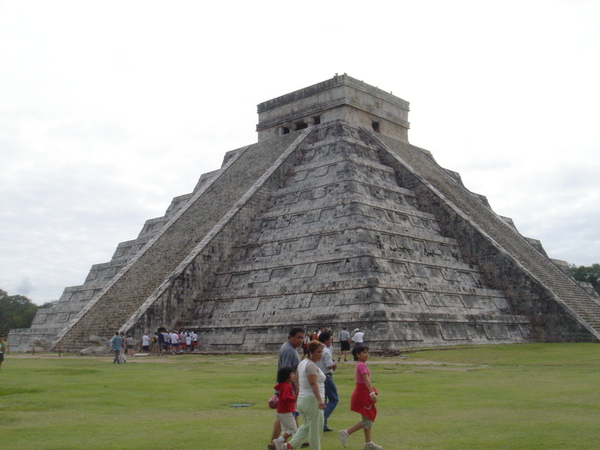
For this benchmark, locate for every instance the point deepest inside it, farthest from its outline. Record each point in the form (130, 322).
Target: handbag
(273, 401)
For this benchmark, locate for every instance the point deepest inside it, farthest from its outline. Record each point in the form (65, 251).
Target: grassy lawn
(542, 396)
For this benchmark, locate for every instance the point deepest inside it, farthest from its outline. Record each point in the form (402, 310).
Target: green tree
(591, 274)
(16, 311)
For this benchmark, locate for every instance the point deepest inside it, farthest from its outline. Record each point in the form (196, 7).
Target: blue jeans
(331, 397)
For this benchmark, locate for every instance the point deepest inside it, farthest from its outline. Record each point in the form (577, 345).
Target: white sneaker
(372, 446)
(344, 438)
(279, 445)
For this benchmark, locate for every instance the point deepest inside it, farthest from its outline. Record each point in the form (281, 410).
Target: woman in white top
(311, 404)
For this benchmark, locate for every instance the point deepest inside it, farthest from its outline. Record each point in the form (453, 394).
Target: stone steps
(127, 292)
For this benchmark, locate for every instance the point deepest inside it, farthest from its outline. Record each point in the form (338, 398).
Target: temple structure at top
(340, 98)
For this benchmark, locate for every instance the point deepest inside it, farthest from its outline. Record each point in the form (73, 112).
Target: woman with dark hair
(310, 403)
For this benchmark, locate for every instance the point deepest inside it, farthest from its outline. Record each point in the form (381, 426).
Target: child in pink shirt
(363, 399)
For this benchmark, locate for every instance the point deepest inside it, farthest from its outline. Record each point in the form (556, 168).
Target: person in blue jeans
(327, 366)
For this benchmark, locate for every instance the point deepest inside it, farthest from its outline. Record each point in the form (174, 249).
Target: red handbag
(273, 401)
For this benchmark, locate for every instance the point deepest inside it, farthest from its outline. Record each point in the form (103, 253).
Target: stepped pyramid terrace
(331, 219)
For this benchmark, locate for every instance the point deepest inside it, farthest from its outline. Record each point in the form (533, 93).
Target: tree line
(16, 311)
(591, 274)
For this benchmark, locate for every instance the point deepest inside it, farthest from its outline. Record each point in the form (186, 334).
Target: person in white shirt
(358, 337)
(174, 342)
(194, 340)
(327, 365)
(145, 342)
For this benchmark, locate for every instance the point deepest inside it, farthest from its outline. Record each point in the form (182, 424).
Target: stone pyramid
(343, 243)
(332, 219)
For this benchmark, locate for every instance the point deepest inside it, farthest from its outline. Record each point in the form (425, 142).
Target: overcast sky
(109, 109)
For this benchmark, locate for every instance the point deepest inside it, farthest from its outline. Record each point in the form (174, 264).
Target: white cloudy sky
(109, 109)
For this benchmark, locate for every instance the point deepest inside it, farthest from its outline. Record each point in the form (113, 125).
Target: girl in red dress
(363, 399)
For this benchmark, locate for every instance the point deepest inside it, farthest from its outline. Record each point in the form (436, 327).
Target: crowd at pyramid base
(331, 220)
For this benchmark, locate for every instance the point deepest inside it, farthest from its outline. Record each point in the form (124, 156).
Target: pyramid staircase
(341, 227)
(154, 266)
(331, 219)
(50, 321)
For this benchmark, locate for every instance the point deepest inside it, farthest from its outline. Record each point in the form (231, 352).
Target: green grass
(539, 396)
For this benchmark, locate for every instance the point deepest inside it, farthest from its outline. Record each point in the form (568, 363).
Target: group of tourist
(306, 389)
(172, 341)
(161, 342)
